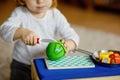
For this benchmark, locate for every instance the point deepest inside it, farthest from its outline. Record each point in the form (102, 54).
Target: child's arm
(66, 31)
(27, 36)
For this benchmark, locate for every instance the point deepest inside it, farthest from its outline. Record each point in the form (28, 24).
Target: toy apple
(55, 50)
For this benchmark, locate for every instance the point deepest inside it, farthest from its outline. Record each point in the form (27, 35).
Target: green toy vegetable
(55, 50)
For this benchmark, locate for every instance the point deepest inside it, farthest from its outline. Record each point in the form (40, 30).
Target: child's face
(38, 6)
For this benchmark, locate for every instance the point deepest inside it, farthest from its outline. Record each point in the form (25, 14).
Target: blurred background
(98, 14)
(103, 15)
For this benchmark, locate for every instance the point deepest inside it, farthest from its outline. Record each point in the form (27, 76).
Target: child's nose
(39, 1)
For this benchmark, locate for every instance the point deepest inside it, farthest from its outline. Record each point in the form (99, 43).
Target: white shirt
(51, 24)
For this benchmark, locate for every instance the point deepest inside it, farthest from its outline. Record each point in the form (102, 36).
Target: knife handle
(38, 40)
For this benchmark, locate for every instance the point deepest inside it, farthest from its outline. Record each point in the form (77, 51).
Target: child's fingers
(26, 42)
(31, 40)
(35, 41)
(62, 40)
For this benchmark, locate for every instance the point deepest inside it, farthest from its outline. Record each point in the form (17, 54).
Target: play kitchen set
(56, 50)
(104, 63)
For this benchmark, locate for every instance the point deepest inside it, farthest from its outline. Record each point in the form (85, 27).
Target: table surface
(98, 71)
(101, 78)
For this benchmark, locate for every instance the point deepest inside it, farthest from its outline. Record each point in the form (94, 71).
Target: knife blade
(45, 40)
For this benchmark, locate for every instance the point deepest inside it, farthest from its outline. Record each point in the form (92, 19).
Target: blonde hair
(22, 3)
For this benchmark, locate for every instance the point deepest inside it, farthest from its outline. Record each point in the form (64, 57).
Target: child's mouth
(41, 7)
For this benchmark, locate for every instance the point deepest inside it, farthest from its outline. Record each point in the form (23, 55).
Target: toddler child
(30, 20)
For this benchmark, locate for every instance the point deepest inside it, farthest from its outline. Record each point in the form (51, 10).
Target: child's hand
(27, 36)
(69, 45)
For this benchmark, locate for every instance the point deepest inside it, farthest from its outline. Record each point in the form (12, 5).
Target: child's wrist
(75, 46)
(18, 33)
(20, 30)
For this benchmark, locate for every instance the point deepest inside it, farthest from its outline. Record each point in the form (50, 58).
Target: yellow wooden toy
(104, 57)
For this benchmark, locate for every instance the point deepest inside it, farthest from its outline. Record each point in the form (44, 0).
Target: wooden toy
(109, 57)
(104, 57)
